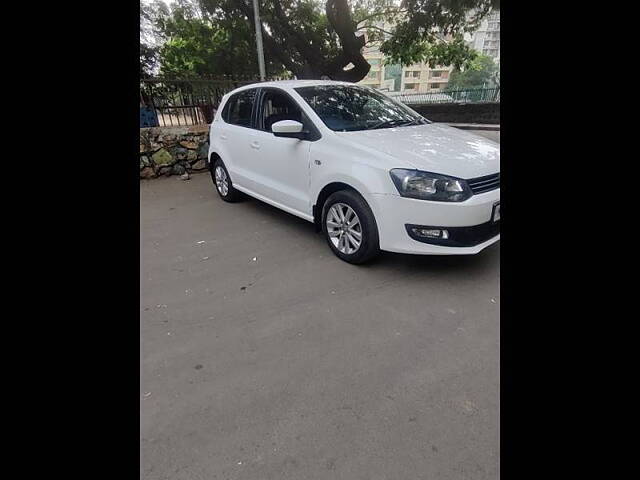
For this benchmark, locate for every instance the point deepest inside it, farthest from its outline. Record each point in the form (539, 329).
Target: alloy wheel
(222, 182)
(344, 228)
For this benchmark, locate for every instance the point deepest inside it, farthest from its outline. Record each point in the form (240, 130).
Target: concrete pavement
(265, 357)
(490, 134)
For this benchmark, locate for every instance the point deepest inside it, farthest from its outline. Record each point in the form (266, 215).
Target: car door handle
(255, 145)
(223, 137)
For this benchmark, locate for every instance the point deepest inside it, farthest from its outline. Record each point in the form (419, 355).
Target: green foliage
(197, 44)
(216, 37)
(454, 52)
(482, 71)
(432, 31)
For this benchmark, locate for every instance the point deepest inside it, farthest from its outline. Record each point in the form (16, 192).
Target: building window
(374, 61)
(410, 86)
(372, 75)
(435, 86)
(436, 74)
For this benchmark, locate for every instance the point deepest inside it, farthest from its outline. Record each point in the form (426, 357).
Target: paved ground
(265, 357)
(490, 134)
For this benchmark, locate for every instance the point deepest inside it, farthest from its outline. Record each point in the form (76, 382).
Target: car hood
(432, 147)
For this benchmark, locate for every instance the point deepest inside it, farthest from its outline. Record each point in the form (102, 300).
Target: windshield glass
(346, 108)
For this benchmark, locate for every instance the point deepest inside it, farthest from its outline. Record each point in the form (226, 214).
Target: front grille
(459, 236)
(484, 184)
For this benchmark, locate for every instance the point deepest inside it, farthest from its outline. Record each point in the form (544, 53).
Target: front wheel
(222, 182)
(350, 227)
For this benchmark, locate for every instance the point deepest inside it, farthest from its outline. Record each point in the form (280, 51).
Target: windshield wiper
(394, 123)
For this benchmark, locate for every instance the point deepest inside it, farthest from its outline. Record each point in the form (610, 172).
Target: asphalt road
(265, 357)
(490, 134)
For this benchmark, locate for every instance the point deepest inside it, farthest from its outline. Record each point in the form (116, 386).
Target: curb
(476, 126)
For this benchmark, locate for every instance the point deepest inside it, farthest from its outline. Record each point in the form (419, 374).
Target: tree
(432, 31)
(195, 43)
(483, 71)
(316, 38)
(148, 49)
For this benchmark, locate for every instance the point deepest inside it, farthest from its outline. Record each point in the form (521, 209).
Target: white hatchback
(370, 172)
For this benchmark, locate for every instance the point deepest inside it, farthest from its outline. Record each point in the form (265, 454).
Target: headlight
(430, 186)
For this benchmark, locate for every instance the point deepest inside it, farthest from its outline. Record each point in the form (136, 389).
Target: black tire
(369, 245)
(232, 195)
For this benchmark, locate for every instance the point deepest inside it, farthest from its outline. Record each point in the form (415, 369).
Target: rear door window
(239, 108)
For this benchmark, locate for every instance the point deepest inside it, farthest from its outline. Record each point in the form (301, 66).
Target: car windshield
(346, 108)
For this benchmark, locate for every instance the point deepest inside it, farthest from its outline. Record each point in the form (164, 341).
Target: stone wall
(168, 151)
(460, 112)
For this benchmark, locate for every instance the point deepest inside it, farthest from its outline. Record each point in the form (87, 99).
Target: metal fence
(177, 102)
(473, 95)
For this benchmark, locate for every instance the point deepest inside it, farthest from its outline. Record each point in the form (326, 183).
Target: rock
(200, 165)
(189, 144)
(185, 176)
(181, 153)
(178, 169)
(147, 172)
(162, 157)
(192, 155)
(203, 151)
(169, 140)
(144, 161)
(163, 170)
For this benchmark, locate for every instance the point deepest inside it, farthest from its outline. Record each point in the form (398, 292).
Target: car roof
(290, 84)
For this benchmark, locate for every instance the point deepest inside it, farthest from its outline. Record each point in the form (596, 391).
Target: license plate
(496, 212)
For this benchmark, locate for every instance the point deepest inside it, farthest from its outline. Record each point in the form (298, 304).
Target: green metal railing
(471, 95)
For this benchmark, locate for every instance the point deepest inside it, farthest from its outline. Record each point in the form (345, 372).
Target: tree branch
(384, 12)
(375, 28)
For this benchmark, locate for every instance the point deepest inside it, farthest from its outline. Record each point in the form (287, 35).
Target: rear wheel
(350, 227)
(222, 182)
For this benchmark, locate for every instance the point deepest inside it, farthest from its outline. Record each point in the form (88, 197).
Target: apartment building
(414, 78)
(377, 75)
(422, 78)
(486, 39)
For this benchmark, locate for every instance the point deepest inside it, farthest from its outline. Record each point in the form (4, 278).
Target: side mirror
(289, 129)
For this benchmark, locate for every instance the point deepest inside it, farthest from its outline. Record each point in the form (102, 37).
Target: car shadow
(478, 263)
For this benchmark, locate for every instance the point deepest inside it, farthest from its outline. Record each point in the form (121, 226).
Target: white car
(371, 173)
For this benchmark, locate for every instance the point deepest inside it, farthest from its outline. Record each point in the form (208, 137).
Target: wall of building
(486, 39)
(166, 151)
(422, 78)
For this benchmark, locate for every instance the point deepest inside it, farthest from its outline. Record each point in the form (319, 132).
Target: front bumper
(469, 223)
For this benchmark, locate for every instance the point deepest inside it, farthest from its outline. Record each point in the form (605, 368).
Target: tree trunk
(339, 16)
